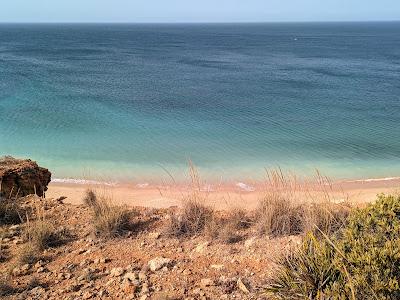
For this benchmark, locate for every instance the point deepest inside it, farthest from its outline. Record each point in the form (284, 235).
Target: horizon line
(198, 22)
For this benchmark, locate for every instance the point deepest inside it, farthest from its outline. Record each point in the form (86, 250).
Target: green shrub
(307, 272)
(371, 250)
(361, 262)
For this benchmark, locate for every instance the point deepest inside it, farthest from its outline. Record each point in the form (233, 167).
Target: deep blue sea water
(126, 101)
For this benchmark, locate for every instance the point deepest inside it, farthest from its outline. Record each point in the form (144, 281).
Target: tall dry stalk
(294, 206)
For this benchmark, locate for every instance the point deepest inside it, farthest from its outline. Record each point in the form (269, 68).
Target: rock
(186, 272)
(217, 267)
(37, 292)
(145, 288)
(16, 271)
(142, 276)
(201, 247)
(85, 262)
(130, 287)
(131, 276)
(87, 295)
(25, 267)
(22, 177)
(207, 282)
(18, 241)
(249, 242)
(104, 260)
(154, 235)
(157, 263)
(242, 286)
(40, 270)
(39, 264)
(15, 227)
(117, 272)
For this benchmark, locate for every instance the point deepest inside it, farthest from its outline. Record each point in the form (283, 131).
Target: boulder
(157, 263)
(20, 177)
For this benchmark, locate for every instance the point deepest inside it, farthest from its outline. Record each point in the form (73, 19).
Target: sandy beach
(221, 197)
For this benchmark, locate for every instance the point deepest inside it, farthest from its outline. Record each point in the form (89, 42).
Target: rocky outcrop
(22, 177)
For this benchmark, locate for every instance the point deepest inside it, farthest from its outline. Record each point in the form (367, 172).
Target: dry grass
(292, 207)
(194, 216)
(191, 220)
(41, 234)
(279, 216)
(90, 198)
(10, 212)
(239, 218)
(108, 220)
(226, 228)
(5, 288)
(28, 254)
(3, 252)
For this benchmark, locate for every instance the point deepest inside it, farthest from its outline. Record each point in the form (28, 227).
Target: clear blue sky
(197, 10)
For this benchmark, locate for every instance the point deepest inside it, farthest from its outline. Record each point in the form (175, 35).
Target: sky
(197, 10)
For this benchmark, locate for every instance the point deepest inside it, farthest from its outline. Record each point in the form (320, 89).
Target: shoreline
(220, 195)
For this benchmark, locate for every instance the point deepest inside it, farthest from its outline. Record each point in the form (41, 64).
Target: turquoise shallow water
(126, 101)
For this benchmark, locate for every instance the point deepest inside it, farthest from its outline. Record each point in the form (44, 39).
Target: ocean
(138, 101)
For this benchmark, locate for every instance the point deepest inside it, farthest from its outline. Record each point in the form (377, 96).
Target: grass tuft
(108, 220)
(191, 220)
(360, 261)
(41, 234)
(5, 288)
(291, 207)
(10, 212)
(28, 254)
(90, 198)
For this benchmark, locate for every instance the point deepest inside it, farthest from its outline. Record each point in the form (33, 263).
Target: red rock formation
(22, 177)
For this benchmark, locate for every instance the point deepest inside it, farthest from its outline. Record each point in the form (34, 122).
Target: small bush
(307, 272)
(90, 199)
(225, 229)
(5, 288)
(41, 234)
(371, 251)
(229, 234)
(239, 218)
(28, 254)
(361, 262)
(278, 216)
(324, 216)
(192, 220)
(108, 220)
(111, 221)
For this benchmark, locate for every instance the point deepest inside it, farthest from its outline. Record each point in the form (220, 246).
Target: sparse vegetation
(3, 252)
(90, 199)
(289, 207)
(225, 228)
(108, 220)
(278, 216)
(28, 254)
(41, 234)
(5, 288)
(191, 220)
(10, 212)
(361, 262)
